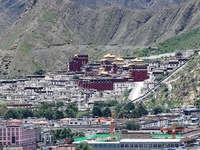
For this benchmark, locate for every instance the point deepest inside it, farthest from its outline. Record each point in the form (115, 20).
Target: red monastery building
(77, 62)
(110, 70)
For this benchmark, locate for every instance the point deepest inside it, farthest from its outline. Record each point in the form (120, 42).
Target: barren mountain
(52, 30)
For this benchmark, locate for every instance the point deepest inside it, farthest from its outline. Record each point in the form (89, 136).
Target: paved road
(136, 91)
(158, 85)
(159, 56)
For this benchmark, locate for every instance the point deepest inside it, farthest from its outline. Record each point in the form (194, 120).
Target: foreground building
(137, 144)
(13, 133)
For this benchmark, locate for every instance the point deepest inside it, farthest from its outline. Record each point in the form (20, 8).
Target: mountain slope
(10, 11)
(132, 4)
(185, 87)
(51, 31)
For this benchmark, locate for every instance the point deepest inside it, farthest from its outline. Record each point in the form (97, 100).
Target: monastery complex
(102, 74)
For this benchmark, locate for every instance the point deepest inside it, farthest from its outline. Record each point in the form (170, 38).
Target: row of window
(105, 145)
(8, 129)
(136, 145)
(150, 145)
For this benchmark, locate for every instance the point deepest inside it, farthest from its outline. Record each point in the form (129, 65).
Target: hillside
(53, 30)
(132, 4)
(10, 11)
(185, 88)
(184, 41)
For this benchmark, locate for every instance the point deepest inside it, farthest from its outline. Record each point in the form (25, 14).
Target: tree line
(127, 110)
(54, 111)
(66, 133)
(48, 110)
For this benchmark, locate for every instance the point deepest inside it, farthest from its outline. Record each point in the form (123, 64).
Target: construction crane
(112, 127)
(172, 130)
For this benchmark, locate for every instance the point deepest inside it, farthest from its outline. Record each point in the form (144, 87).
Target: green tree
(58, 114)
(159, 77)
(197, 103)
(99, 104)
(44, 105)
(129, 106)
(48, 114)
(101, 94)
(75, 77)
(83, 146)
(24, 113)
(131, 125)
(178, 54)
(79, 134)
(3, 109)
(106, 112)
(111, 103)
(118, 108)
(157, 109)
(59, 104)
(135, 113)
(96, 111)
(63, 134)
(124, 113)
(39, 72)
(71, 110)
(12, 113)
(142, 109)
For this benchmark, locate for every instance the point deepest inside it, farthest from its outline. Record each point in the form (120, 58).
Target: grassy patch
(25, 47)
(7, 44)
(59, 1)
(96, 55)
(186, 40)
(45, 44)
(36, 64)
(37, 35)
(84, 113)
(48, 16)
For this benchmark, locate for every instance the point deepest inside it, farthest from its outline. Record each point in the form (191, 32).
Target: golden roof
(119, 59)
(137, 59)
(104, 59)
(101, 68)
(109, 55)
(104, 72)
(136, 64)
(119, 63)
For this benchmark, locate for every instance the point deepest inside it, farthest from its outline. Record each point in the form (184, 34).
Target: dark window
(126, 145)
(154, 145)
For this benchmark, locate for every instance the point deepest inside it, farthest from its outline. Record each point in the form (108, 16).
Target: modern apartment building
(16, 133)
